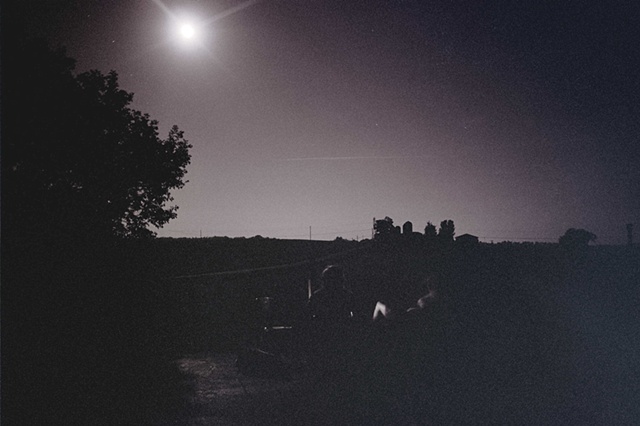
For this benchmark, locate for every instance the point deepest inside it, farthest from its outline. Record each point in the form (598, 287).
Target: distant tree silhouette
(430, 231)
(383, 229)
(76, 157)
(577, 238)
(446, 231)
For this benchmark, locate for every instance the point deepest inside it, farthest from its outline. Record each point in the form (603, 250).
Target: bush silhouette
(577, 238)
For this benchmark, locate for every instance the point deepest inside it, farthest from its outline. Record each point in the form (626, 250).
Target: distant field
(543, 334)
(213, 281)
(537, 334)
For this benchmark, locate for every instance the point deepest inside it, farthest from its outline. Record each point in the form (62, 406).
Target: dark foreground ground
(144, 335)
(586, 373)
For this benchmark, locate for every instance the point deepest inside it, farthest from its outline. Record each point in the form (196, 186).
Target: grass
(535, 334)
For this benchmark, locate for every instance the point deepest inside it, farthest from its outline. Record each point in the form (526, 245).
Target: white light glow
(187, 31)
(190, 31)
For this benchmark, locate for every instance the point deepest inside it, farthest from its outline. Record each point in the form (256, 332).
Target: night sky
(517, 120)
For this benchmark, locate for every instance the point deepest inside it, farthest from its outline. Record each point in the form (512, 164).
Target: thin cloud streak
(233, 10)
(402, 157)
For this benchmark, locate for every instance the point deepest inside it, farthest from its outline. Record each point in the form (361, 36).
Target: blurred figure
(329, 339)
(386, 311)
(399, 360)
(425, 302)
(333, 302)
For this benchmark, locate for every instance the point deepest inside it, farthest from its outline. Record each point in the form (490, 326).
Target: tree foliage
(77, 157)
(447, 230)
(384, 229)
(577, 238)
(430, 231)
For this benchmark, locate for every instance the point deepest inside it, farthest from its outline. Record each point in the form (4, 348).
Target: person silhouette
(329, 330)
(333, 302)
(387, 311)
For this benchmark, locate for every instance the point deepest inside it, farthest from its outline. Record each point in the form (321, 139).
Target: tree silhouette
(77, 158)
(577, 238)
(384, 229)
(446, 231)
(430, 231)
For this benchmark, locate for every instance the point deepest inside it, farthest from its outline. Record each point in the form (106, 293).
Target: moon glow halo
(187, 31)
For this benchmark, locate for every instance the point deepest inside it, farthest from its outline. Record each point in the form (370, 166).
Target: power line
(518, 238)
(265, 268)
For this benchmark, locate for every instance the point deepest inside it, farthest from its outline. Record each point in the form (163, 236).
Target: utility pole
(311, 264)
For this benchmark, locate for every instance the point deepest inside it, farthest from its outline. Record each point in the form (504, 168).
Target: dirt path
(217, 394)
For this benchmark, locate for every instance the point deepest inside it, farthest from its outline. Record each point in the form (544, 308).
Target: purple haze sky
(517, 120)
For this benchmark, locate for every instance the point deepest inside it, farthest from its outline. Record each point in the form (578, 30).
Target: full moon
(187, 31)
